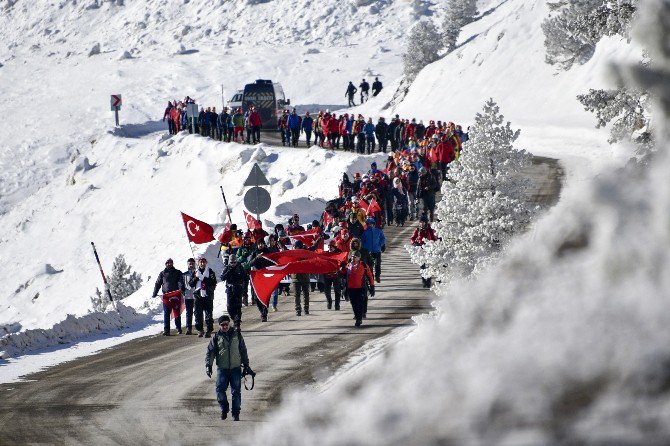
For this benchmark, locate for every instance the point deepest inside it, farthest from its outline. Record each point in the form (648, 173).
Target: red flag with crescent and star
(197, 231)
(252, 223)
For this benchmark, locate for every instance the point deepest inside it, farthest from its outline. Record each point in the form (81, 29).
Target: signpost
(257, 200)
(192, 114)
(115, 103)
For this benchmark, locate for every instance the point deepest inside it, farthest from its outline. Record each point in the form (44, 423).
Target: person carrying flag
(356, 272)
(204, 282)
(170, 280)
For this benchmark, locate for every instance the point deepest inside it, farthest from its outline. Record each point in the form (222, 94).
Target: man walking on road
(204, 281)
(374, 241)
(228, 350)
(356, 273)
(188, 295)
(170, 281)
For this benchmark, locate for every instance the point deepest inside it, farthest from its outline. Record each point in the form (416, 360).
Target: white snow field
(558, 328)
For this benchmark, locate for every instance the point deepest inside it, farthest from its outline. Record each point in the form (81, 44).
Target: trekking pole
(226, 203)
(102, 273)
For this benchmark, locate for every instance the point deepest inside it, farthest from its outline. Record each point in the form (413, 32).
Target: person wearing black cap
(168, 281)
(228, 351)
(204, 281)
(188, 295)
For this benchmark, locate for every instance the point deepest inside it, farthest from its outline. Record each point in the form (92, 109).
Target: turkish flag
(197, 231)
(363, 205)
(174, 302)
(266, 280)
(373, 207)
(225, 235)
(252, 223)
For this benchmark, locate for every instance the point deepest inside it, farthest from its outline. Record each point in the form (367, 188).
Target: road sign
(192, 110)
(115, 102)
(256, 177)
(257, 200)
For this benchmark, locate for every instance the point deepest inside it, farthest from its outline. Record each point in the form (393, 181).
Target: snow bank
(70, 330)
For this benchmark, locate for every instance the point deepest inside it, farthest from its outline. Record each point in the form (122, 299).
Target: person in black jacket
(365, 90)
(169, 280)
(390, 134)
(234, 276)
(381, 131)
(204, 282)
(376, 87)
(351, 92)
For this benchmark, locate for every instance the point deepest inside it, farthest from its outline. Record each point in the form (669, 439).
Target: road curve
(154, 390)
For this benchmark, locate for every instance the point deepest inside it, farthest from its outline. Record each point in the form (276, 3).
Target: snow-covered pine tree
(99, 302)
(423, 46)
(483, 204)
(458, 14)
(627, 111)
(574, 28)
(123, 282)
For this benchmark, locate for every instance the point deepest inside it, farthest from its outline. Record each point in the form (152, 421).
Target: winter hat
(424, 218)
(169, 261)
(224, 318)
(373, 165)
(371, 220)
(298, 245)
(357, 175)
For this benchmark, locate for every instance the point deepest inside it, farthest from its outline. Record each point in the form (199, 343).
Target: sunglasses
(224, 324)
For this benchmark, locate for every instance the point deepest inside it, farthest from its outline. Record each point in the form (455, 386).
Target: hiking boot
(264, 318)
(378, 279)
(224, 414)
(358, 323)
(298, 313)
(166, 332)
(330, 304)
(274, 308)
(208, 334)
(189, 332)
(337, 307)
(179, 331)
(201, 334)
(306, 311)
(236, 417)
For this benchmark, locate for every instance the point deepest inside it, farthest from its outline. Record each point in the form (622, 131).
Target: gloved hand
(209, 371)
(383, 248)
(372, 291)
(246, 370)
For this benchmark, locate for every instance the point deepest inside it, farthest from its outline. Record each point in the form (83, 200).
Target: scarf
(202, 275)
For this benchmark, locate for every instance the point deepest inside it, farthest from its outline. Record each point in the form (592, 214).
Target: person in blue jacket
(349, 137)
(369, 130)
(307, 125)
(374, 241)
(294, 123)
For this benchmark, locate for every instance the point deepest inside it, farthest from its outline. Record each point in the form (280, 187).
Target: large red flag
(252, 223)
(197, 231)
(266, 280)
(373, 207)
(225, 235)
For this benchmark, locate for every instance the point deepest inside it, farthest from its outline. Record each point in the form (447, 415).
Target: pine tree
(626, 110)
(458, 14)
(123, 282)
(423, 47)
(575, 27)
(99, 302)
(483, 204)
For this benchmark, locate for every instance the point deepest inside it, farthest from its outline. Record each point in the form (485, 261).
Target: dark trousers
(256, 134)
(249, 133)
(383, 144)
(204, 130)
(356, 297)
(351, 101)
(377, 257)
(335, 285)
(166, 319)
(308, 137)
(295, 136)
(262, 309)
(285, 137)
(301, 288)
(370, 144)
(232, 378)
(394, 145)
(228, 134)
(189, 313)
(171, 127)
(234, 303)
(204, 305)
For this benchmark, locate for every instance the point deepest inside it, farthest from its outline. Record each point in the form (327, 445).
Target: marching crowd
(351, 226)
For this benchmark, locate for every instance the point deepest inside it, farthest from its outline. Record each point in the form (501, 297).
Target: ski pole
(102, 273)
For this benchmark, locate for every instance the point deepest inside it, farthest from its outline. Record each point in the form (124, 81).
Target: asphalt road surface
(154, 390)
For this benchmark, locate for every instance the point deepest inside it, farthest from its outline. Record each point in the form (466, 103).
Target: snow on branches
(483, 204)
(458, 14)
(575, 27)
(423, 47)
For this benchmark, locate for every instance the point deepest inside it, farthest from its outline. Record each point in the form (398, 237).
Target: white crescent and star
(188, 227)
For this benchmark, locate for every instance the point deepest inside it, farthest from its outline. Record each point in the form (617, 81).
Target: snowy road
(154, 390)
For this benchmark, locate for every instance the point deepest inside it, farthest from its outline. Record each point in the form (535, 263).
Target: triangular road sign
(256, 177)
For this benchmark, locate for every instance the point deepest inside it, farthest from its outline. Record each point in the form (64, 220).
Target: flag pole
(226, 203)
(187, 239)
(104, 278)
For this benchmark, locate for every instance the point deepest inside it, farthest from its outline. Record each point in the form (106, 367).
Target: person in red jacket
(422, 234)
(175, 115)
(325, 129)
(446, 153)
(357, 272)
(410, 130)
(343, 240)
(256, 123)
(334, 132)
